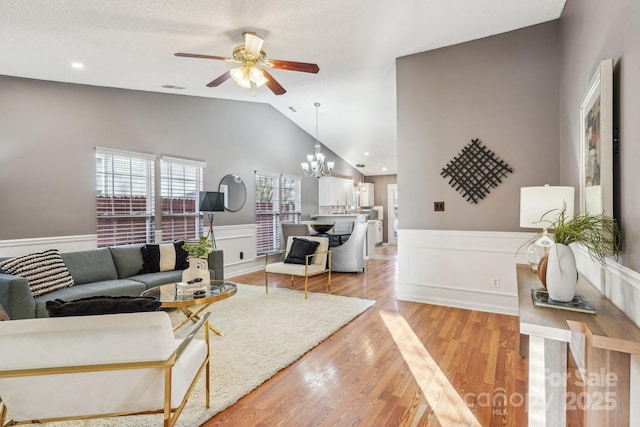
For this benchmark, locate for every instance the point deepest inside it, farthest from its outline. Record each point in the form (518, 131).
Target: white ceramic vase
(562, 274)
(198, 269)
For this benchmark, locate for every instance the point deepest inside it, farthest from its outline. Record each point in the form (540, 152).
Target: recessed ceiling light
(77, 65)
(384, 169)
(366, 153)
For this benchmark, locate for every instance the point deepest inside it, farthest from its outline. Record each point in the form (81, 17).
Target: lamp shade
(538, 201)
(211, 201)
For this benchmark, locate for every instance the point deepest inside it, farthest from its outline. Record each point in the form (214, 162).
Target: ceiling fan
(251, 55)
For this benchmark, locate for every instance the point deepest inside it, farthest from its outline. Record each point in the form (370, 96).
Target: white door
(392, 209)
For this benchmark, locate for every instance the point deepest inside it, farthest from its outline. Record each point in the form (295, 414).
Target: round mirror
(235, 193)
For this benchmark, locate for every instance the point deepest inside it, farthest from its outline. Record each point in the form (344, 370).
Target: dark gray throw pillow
(101, 305)
(299, 249)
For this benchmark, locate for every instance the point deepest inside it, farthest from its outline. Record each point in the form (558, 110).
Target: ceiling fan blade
(223, 78)
(252, 44)
(273, 84)
(195, 55)
(293, 66)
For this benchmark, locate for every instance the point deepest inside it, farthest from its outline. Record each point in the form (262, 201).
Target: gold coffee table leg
(194, 317)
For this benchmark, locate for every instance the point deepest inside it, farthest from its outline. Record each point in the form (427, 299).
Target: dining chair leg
(266, 283)
(306, 282)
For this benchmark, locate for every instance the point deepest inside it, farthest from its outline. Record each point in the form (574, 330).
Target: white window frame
(268, 221)
(136, 182)
(181, 180)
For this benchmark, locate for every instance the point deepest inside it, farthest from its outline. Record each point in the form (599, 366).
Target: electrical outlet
(438, 206)
(495, 282)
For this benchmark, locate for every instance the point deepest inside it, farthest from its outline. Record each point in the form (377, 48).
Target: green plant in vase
(201, 249)
(597, 233)
(198, 271)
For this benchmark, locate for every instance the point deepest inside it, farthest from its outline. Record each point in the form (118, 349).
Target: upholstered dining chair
(349, 257)
(292, 229)
(314, 263)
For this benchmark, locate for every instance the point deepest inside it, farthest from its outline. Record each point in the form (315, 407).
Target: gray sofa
(109, 271)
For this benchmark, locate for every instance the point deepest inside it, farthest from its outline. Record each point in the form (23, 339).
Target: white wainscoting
(459, 268)
(456, 268)
(239, 245)
(17, 247)
(617, 283)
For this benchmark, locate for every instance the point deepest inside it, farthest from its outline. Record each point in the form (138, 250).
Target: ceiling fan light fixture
(241, 76)
(256, 75)
(248, 75)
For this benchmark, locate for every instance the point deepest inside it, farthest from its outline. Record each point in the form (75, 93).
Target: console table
(609, 340)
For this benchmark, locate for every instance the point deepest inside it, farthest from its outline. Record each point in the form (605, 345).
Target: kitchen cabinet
(334, 191)
(374, 235)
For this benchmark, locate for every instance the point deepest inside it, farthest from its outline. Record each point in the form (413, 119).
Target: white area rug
(262, 335)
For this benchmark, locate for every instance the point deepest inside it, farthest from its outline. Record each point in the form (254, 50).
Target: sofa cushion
(116, 287)
(128, 260)
(101, 305)
(151, 280)
(45, 271)
(163, 257)
(90, 266)
(300, 248)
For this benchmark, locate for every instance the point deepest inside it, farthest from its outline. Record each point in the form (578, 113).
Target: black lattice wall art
(475, 171)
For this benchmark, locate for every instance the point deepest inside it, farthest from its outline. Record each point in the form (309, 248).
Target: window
(181, 182)
(278, 198)
(124, 197)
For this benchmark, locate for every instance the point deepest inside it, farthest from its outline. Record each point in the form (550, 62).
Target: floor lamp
(211, 201)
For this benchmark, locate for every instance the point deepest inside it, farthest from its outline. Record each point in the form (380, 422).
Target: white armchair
(98, 366)
(318, 263)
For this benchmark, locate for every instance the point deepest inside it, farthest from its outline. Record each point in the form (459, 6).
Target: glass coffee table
(169, 298)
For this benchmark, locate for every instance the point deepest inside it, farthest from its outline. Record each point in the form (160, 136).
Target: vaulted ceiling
(131, 44)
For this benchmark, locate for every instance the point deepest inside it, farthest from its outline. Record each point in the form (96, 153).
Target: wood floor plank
(360, 377)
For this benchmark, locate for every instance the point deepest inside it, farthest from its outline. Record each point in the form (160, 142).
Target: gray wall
(48, 132)
(502, 90)
(590, 31)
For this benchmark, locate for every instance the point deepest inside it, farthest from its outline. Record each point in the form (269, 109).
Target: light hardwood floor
(398, 364)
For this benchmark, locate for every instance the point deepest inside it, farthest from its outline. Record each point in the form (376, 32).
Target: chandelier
(315, 164)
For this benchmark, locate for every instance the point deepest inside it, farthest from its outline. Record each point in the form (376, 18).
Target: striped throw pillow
(45, 271)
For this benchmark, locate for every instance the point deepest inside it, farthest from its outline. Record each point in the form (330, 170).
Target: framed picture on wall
(596, 143)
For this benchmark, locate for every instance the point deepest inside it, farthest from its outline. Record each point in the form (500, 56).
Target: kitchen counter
(316, 216)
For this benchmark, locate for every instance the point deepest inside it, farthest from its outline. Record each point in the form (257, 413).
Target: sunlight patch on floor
(448, 407)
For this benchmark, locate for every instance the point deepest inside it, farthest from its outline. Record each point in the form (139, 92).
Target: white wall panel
(17, 247)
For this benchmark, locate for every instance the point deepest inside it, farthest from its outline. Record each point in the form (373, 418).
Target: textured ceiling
(130, 44)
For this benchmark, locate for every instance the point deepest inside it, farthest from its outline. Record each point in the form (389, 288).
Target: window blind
(181, 183)
(278, 198)
(124, 197)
